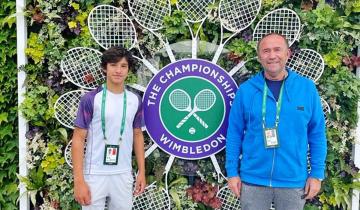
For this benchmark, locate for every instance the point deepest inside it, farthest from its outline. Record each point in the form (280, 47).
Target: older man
(275, 118)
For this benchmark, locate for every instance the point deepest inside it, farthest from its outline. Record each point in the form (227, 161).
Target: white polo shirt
(89, 117)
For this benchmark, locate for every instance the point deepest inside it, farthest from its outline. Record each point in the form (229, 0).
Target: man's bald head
(272, 34)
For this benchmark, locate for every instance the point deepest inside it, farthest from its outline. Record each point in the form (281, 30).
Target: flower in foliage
(72, 24)
(352, 62)
(205, 193)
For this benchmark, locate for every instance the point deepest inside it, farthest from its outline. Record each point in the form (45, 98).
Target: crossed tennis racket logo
(181, 101)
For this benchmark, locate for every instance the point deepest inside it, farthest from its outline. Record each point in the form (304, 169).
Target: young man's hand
(82, 193)
(140, 184)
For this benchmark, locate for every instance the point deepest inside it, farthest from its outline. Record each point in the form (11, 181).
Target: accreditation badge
(271, 138)
(111, 154)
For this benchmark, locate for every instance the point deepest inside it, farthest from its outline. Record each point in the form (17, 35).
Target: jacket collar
(258, 81)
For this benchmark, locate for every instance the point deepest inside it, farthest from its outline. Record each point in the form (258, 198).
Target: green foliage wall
(331, 28)
(8, 107)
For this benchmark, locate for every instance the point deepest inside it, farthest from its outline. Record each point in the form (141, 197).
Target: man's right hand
(82, 193)
(234, 184)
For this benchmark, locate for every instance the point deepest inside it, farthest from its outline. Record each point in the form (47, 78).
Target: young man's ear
(104, 71)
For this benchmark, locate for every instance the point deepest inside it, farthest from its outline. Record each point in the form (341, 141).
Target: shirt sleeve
(138, 119)
(85, 112)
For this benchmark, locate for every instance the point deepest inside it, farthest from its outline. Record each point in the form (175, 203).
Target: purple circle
(154, 92)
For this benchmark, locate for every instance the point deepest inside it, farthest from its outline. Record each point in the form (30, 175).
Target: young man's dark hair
(115, 54)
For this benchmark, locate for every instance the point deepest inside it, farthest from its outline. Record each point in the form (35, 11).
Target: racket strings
(228, 199)
(195, 11)
(111, 27)
(152, 198)
(307, 63)
(237, 15)
(150, 14)
(179, 100)
(82, 66)
(282, 21)
(66, 108)
(205, 100)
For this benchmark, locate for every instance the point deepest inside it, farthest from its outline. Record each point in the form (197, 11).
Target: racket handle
(138, 87)
(236, 68)
(181, 123)
(150, 66)
(194, 48)
(167, 169)
(200, 121)
(169, 163)
(169, 51)
(217, 53)
(147, 64)
(150, 150)
(216, 166)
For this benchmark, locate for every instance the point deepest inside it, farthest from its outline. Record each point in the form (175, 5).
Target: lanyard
(278, 104)
(103, 100)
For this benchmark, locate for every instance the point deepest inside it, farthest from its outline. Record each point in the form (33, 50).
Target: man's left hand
(312, 187)
(140, 184)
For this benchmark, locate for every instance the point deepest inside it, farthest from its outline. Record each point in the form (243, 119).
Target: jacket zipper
(272, 168)
(273, 160)
(274, 153)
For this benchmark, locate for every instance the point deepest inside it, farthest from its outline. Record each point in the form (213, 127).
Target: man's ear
(289, 52)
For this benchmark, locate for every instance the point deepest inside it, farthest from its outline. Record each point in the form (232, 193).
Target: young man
(109, 118)
(275, 117)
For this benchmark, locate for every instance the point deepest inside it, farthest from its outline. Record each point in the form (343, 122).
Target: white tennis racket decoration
(195, 12)
(308, 63)
(326, 109)
(152, 199)
(235, 16)
(109, 26)
(66, 107)
(150, 15)
(282, 21)
(81, 66)
(67, 153)
(228, 199)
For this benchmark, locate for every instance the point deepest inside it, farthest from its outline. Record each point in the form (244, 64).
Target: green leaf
(333, 59)
(175, 198)
(3, 117)
(6, 131)
(63, 134)
(9, 20)
(310, 207)
(179, 181)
